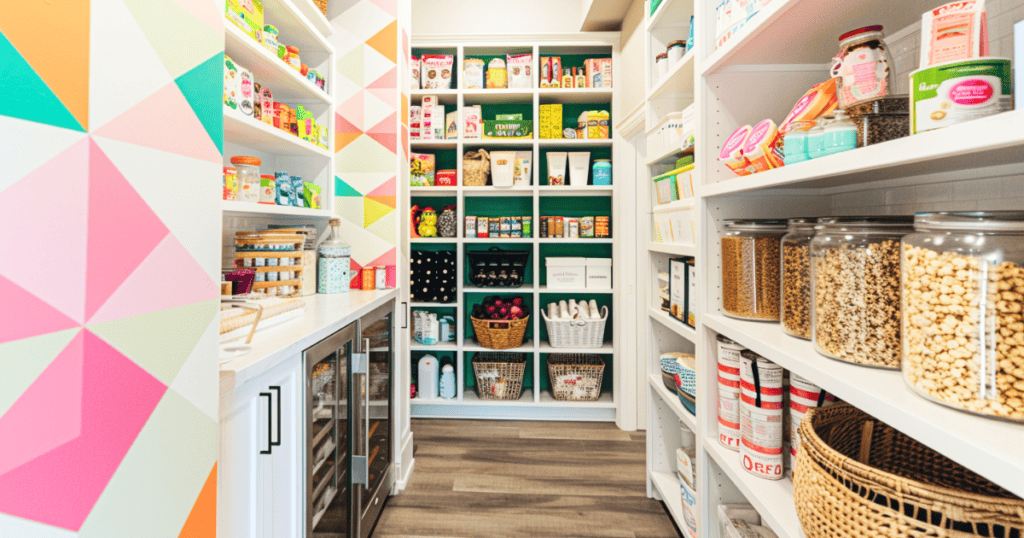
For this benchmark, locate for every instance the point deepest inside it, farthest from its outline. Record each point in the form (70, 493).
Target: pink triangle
(44, 218)
(389, 141)
(341, 125)
(387, 95)
(388, 126)
(386, 82)
(54, 399)
(123, 230)
(352, 110)
(388, 258)
(167, 278)
(205, 11)
(24, 315)
(385, 189)
(405, 43)
(357, 282)
(116, 398)
(391, 6)
(405, 141)
(163, 121)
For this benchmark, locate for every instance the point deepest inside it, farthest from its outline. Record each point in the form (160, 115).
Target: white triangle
(197, 379)
(376, 111)
(344, 89)
(365, 182)
(363, 20)
(27, 145)
(375, 65)
(366, 246)
(184, 192)
(23, 528)
(123, 67)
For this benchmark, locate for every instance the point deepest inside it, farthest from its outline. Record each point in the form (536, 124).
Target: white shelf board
(599, 142)
(669, 157)
(990, 141)
(434, 401)
(247, 208)
(575, 95)
(468, 345)
(434, 144)
(773, 499)
(674, 324)
(527, 288)
(490, 190)
(444, 97)
(605, 401)
(522, 96)
(294, 27)
(668, 486)
(591, 240)
(798, 24)
(315, 16)
(498, 142)
(433, 191)
(675, 249)
(671, 14)
(672, 401)
(523, 240)
(445, 348)
(606, 349)
(434, 305)
(525, 398)
(988, 447)
(678, 82)
(678, 205)
(247, 131)
(545, 289)
(433, 239)
(568, 190)
(287, 84)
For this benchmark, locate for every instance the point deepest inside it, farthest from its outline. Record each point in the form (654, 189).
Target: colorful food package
(268, 189)
(257, 101)
(246, 99)
(762, 149)
(551, 121)
(483, 226)
(283, 182)
(414, 63)
(732, 151)
(606, 73)
(581, 125)
(550, 72)
(297, 194)
(231, 83)
(445, 178)
(522, 172)
(322, 136)
(472, 126)
(421, 170)
(266, 105)
(311, 192)
(451, 125)
(436, 71)
(247, 15)
(954, 32)
(415, 122)
(473, 73)
(470, 226)
(497, 76)
(230, 183)
(819, 100)
(427, 123)
(438, 119)
(597, 124)
(520, 72)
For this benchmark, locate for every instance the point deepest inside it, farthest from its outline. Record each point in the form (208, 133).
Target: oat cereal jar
(855, 282)
(750, 268)
(796, 278)
(963, 311)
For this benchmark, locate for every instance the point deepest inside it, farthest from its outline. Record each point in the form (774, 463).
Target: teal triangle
(202, 88)
(344, 189)
(26, 96)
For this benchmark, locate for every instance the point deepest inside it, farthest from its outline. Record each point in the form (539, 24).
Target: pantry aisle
(510, 479)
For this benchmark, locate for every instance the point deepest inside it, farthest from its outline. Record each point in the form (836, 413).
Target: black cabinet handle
(270, 423)
(405, 310)
(277, 389)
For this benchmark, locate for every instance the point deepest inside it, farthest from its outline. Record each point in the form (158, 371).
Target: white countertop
(323, 315)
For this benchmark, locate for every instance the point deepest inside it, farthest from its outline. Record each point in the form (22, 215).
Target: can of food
(955, 92)
(380, 278)
(803, 396)
(729, 393)
(761, 432)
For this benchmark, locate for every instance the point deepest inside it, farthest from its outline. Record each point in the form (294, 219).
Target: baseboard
(405, 473)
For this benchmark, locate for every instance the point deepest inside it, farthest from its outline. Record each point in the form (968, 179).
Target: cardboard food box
(415, 122)
(472, 122)
(508, 129)
(247, 15)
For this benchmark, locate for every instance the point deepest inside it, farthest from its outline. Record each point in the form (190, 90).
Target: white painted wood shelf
(672, 400)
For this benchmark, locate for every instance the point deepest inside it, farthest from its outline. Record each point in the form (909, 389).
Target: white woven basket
(576, 333)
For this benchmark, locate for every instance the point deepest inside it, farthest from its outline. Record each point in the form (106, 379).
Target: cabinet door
(287, 452)
(244, 473)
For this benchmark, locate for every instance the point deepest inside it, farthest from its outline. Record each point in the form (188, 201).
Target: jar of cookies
(750, 268)
(855, 283)
(963, 311)
(796, 278)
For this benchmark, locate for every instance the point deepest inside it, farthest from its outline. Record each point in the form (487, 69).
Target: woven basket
(575, 377)
(499, 376)
(576, 333)
(858, 477)
(476, 168)
(503, 334)
(321, 5)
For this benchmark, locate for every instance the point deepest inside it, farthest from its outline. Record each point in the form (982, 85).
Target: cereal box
(247, 15)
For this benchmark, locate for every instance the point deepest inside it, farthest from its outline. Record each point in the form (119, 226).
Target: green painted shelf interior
(444, 159)
(499, 206)
(575, 60)
(416, 355)
(595, 153)
(528, 276)
(607, 377)
(450, 51)
(576, 206)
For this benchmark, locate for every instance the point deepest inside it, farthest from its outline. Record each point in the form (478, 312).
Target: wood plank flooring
(487, 479)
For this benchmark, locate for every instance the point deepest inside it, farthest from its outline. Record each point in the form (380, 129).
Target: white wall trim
(580, 38)
(403, 471)
(633, 123)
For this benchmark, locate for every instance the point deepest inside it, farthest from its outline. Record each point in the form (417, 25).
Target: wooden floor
(488, 479)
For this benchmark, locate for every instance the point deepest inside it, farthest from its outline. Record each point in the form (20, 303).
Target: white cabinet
(261, 448)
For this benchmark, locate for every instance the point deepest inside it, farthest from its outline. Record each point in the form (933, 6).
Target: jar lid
(866, 224)
(268, 176)
(725, 340)
(602, 160)
(747, 354)
(769, 225)
(802, 222)
(859, 31)
(244, 160)
(661, 56)
(290, 48)
(980, 221)
(680, 43)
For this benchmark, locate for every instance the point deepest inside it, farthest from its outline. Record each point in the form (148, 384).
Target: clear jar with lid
(855, 274)
(676, 50)
(863, 67)
(661, 66)
(963, 311)
(750, 268)
(796, 278)
(248, 169)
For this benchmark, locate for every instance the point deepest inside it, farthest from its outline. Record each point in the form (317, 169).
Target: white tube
(595, 313)
(563, 309)
(584, 310)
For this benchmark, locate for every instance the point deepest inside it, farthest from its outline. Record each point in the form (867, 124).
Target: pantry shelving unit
(536, 401)
(759, 73)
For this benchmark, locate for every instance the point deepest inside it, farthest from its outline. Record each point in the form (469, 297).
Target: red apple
(516, 311)
(491, 309)
(498, 302)
(518, 301)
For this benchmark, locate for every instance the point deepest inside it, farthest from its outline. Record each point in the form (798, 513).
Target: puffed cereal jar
(796, 278)
(963, 311)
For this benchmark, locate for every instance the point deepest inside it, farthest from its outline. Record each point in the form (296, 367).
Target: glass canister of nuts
(963, 311)
(750, 268)
(855, 282)
(796, 278)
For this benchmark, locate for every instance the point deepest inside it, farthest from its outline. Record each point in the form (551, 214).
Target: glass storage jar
(855, 273)
(750, 268)
(796, 278)
(963, 311)
(248, 169)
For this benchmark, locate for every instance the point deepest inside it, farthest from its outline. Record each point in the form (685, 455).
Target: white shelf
(592, 240)
(672, 401)
(675, 249)
(668, 486)
(433, 239)
(671, 14)
(490, 190)
(773, 499)
(434, 144)
(295, 27)
(575, 95)
(674, 324)
(669, 157)
(247, 131)
(527, 288)
(499, 142)
(545, 289)
(568, 190)
(523, 96)
(988, 447)
(469, 346)
(288, 85)
(315, 16)
(247, 208)
(433, 305)
(605, 401)
(989, 141)
(678, 82)
(433, 191)
(439, 348)
(678, 205)
(605, 349)
(522, 240)
(598, 142)
(444, 97)
(525, 398)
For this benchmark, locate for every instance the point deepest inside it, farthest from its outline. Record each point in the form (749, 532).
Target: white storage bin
(566, 272)
(502, 168)
(599, 273)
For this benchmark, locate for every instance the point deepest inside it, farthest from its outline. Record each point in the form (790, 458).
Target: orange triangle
(405, 110)
(341, 140)
(386, 41)
(386, 200)
(202, 521)
(34, 28)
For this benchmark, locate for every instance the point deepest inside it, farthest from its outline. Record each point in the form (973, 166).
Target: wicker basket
(575, 377)
(856, 477)
(476, 168)
(499, 376)
(576, 333)
(500, 334)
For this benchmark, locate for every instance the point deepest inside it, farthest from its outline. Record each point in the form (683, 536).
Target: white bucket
(503, 165)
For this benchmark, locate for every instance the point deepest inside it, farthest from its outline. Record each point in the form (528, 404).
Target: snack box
(507, 129)
(483, 226)
(247, 15)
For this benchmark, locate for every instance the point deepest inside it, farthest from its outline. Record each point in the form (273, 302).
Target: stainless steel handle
(270, 423)
(366, 409)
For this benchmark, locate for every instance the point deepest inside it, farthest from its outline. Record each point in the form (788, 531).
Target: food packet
(519, 71)
(473, 73)
(436, 71)
(497, 77)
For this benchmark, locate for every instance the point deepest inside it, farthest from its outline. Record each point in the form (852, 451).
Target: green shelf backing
(499, 206)
(576, 206)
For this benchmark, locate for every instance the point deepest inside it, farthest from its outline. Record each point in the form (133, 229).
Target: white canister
(556, 167)
(427, 378)
(676, 50)
(761, 432)
(503, 165)
(579, 168)
(729, 393)
(803, 396)
(661, 66)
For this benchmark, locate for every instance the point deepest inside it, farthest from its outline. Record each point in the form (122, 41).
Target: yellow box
(247, 15)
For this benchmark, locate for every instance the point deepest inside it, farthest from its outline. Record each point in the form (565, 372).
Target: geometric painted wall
(369, 155)
(110, 151)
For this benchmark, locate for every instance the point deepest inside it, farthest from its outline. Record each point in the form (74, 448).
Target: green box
(508, 129)
(508, 117)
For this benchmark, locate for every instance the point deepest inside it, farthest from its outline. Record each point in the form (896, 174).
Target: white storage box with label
(566, 272)
(599, 273)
